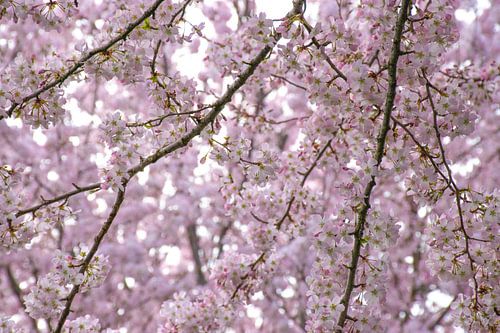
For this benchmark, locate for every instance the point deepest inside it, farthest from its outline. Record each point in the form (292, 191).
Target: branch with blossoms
(120, 196)
(217, 107)
(450, 183)
(321, 49)
(61, 197)
(89, 55)
(17, 291)
(336, 194)
(456, 191)
(261, 259)
(379, 154)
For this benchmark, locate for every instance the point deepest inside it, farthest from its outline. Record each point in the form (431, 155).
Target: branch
(155, 55)
(217, 107)
(441, 316)
(379, 154)
(288, 81)
(261, 258)
(457, 189)
(322, 51)
(423, 150)
(17, 291)
(159, 119)
(63, 196)
(80, 63)
(195, 250)
(97, 241)
(311, 168)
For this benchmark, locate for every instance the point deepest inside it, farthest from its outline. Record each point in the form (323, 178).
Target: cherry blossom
(249, 166)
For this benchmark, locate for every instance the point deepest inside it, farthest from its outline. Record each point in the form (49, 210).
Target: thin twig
(288, 81)
(311, 168)
(322, 51)
(158, 120)
(64, 196)
(284, 216)
(457, 189)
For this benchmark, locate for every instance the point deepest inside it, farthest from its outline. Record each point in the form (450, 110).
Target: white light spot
(111, 87)
(409, 259)
(41, 324)
(173, 257)
(422, 211)
(101, 206)
(416, 310)
(99, 23)
(130, 281)
(466, 16)
(436, 300)
(77, 33)
(141, 234)
(75, 141)
(53, 176)
(288, 293)
(39, 137)
(142, 177)
(255, 313)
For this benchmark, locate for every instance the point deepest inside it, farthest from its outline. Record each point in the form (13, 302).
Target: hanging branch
(62, 197)
(457, 191)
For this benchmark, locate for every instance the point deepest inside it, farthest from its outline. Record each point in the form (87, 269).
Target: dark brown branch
(14, 285)
(455, 186)
(322, 51)
(217, 107)
(285, 215)
(64, 196)
(195, 250)
(423, 150)
(97, 241)
(158, 120)
(311, 168)
(379, 154)
(155, 55)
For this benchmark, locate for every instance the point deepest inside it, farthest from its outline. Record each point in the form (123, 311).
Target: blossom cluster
(200, 311)
(49, 15)
(24, 77)
(14, 230)
(47, 297)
